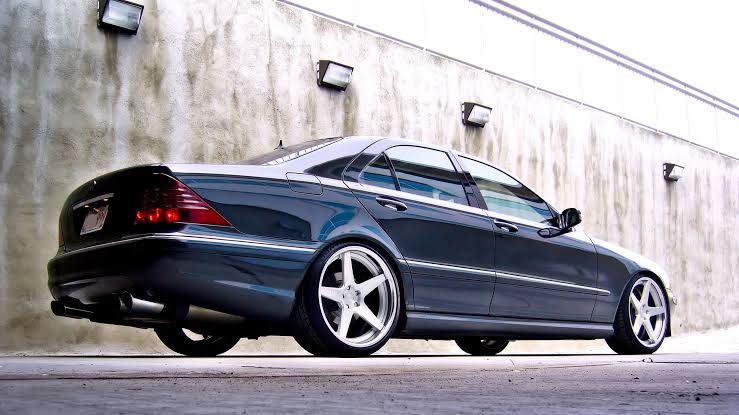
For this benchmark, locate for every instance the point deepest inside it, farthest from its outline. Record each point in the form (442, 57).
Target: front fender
(616, 267)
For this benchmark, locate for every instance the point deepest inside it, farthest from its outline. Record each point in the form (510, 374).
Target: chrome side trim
(92, 200)
(450, 267)
(506, 275)
(529, 278)
(416, 198)
(183, 237)
(230, 241)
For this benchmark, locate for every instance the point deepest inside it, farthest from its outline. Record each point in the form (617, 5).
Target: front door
(417, 197)
(553, 278)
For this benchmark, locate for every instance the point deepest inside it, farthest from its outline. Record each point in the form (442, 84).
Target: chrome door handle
(391, 203)
(506, 226)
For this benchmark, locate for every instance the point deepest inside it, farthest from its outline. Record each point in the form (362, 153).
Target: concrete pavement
(661, 383)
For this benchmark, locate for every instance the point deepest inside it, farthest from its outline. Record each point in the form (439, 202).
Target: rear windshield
(283, 154)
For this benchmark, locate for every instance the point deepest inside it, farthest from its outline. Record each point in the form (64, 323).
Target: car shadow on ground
(303, 356)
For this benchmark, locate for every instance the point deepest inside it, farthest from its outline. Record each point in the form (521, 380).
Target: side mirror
(567, 220)
(570, 218)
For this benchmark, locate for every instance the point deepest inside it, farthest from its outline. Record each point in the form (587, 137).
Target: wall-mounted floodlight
(672, 172)
(475, 115)
(334, 75)
(120, 15)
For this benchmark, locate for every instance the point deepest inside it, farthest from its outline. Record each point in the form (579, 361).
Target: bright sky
(696, 42)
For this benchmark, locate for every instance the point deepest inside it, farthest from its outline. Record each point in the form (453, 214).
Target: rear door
(419, 199)
(553, 278)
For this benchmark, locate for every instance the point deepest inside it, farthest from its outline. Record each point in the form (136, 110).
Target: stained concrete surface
(662, 383)
(219, 81)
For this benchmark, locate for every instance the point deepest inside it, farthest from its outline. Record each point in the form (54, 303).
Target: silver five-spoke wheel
(647, 312)
(349, 303)
(358, 296)
(642, 318)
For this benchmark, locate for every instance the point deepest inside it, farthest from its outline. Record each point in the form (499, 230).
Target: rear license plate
(94, 220)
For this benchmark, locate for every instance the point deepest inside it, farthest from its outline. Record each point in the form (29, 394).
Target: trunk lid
(103, 209)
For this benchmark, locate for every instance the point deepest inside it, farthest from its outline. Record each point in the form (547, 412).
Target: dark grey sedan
(344, 243)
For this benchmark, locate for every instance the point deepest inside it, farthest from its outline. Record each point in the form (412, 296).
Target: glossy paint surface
(454, 260)
(567, 258)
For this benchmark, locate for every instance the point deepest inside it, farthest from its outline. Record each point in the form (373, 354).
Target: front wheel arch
(625, 338)
(651, 274)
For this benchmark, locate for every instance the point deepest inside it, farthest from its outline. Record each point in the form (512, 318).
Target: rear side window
(504, 194)
(378, 174)
(427, 172)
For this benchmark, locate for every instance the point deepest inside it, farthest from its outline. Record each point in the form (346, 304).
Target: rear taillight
(167, 200)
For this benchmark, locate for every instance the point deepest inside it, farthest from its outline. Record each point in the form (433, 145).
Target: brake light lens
(167, 200)
(61, 236)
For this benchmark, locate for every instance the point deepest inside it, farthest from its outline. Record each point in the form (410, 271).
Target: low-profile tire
(642, 318)
(477, 346)
(349, 302)
(179, 342)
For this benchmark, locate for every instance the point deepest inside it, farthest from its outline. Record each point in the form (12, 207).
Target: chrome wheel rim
(358, 296)
(647, 312)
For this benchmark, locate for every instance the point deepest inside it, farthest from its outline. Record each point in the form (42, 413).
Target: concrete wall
(218, 81)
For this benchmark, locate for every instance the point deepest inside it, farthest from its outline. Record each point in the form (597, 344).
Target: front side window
(504, 194)
(427, 172)
(378, 174)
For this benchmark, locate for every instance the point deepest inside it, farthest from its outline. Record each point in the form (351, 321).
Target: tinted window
(503, 194)
(378, 174)
(427, 172)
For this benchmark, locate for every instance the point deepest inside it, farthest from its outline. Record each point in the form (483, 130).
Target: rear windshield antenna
(279, 146)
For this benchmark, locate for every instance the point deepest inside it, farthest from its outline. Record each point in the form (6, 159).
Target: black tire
(310, 329)
(623, 340)
(209, 346)
(477, 346)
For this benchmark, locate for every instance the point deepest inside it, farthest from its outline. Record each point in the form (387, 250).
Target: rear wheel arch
(382, 250)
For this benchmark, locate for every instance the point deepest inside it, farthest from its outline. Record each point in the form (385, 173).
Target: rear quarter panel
(271, 208)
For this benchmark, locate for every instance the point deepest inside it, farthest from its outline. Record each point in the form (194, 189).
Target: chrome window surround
(441, 203)
(504, 171)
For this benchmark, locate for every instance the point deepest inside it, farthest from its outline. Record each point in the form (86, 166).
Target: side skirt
(444, 326)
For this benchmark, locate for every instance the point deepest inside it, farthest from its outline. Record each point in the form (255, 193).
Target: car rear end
(139, 247)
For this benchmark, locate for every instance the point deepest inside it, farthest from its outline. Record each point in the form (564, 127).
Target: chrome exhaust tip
(133, 305)
(61, 310)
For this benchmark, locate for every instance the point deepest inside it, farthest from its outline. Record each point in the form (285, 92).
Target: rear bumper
(256, 279)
